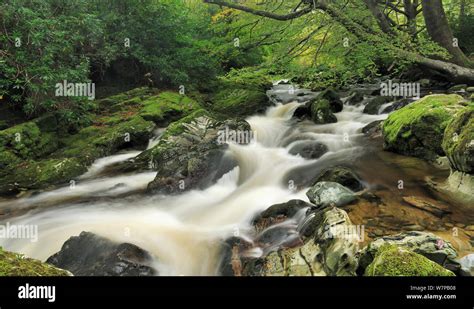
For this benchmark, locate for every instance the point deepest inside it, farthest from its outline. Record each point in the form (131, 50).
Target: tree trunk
(382, 20)
(438, 28)
(410, 11)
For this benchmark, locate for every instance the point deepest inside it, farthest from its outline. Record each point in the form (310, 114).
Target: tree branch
(267, 14)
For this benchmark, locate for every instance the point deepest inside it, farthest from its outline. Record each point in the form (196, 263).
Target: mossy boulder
(240, 101)
(458, 141)
(321, 112)
(14, 264)
(391, 260)
(26, 141)
(191, 154)
(333, 99)
(418, 129)
(40, 174)
(241, 93)
(161, 107)
(426, 244)
(167, 107)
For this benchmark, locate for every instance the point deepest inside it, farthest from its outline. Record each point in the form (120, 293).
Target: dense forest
(243, 138)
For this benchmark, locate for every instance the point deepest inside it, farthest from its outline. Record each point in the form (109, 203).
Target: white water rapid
(183, 232)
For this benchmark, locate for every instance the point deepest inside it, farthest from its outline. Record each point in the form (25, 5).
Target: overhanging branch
(267, 14)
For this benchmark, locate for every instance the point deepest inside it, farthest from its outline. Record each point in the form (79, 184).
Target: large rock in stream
(315, 244)
(325, 193)
(458, 144)
(322, 108)
(417, 129)
(91, 255)
(342, 175)
(458, 141)
(192, 153)
(391, 261)
(426, 244)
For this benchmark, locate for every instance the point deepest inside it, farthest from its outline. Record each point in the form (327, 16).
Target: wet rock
(191, 153)
(417, 129)
(342, 175)
(286, 93)
(426, 244)
(338, 240)
(458, 88)
(470, 89)
(303, 111)
(424, 82)
(326, 193)
(355, 97)
(374, 105)
(329, 250)
(467, 264)
(396, 105)
(391, 260)
(459, 186)
(232, 256)
(309, 149)
(333, 99)
(278, 213)
(321, 112)
(436, 208)
(301, 261)
(92, 255)
(373, 130)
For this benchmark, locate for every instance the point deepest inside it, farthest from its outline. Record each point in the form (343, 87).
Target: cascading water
(184, 232)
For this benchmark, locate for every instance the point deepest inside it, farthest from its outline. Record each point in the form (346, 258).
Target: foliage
(45, 42)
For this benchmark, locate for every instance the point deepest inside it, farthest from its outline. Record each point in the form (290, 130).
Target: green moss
(417, 129)
(27, 142)
(241, 93)
(14, 264)
(393, 261)
(458, 141)
(240, 101)
(7, 158)
(41, 174)
(321, 112)
(131, 97)
(97, 141)
(166, 107)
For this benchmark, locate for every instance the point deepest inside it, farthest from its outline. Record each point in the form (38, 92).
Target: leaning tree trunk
(438, 28)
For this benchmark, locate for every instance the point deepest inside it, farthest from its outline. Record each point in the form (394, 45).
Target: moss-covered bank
(14, 264)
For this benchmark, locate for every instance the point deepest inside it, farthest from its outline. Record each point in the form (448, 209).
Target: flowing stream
(183, 232)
